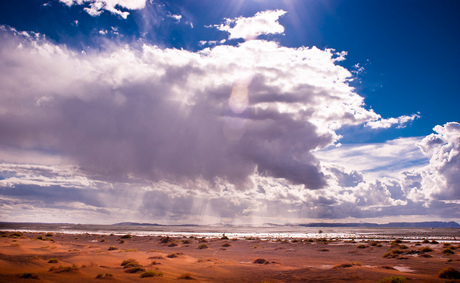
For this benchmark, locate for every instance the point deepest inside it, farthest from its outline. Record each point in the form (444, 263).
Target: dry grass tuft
(151, 273)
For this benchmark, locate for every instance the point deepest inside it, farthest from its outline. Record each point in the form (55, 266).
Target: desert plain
(62, 257)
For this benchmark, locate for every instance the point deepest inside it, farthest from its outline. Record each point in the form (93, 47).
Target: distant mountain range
(150, 224)
(431, 224)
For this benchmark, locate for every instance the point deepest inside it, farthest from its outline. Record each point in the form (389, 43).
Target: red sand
(288, 261)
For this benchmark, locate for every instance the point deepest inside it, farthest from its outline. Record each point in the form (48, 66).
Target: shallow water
(276, 232)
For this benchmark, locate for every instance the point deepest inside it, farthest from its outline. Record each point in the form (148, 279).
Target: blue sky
(236, 112)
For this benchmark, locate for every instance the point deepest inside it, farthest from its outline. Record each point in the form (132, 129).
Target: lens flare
(239, 99)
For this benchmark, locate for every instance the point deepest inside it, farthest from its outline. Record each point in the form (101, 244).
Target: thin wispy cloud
(96, 7)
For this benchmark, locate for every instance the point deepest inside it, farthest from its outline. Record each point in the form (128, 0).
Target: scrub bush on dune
(134, 269)
(130, 263)
(29, 275)
(447, 251)
(449, 273)
(186, 276)
(203, 246)
(151, 273)
(260, 261)
(426, 249)
(393, 279)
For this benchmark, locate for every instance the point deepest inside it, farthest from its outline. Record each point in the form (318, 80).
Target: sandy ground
(295, 260)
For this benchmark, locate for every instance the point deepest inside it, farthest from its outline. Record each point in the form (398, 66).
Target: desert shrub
(61, 268)
(16, 235)
(203, 246)
(186, 276)
(393, 279)
(44, 239)
(447, 251)
(130, 250)
(173, 255)
(426, 249)
(102, 275)
(449, 260)
(260, 261)
(130, 262)
(172, 244)
(361, 246)
(165, 240)
(112, 248)
(374, 243)
(434, 242)
(134, 269)
(49, 234)
(151, 273)
(343, 265)
(397, 241)
(449, 273)
(425, 255)
(53, 260)
(186, 242)
(392, 253)
(226, 245)
(127, 236)
(403, 247)
(224, 237)
(154, 262)
(203, 240)
(28, 275)
(425, 241)
(156, 257)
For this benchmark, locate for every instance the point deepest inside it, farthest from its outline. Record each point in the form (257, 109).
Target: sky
(234, 112)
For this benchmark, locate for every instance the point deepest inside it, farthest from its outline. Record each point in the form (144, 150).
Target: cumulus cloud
(96, 7)
(441, 178)
(228, 112)
(228, 132)
(250, 28)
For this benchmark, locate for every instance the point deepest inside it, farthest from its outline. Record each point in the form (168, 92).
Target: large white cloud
(440, 180)
(230, 132)
(163, 113)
